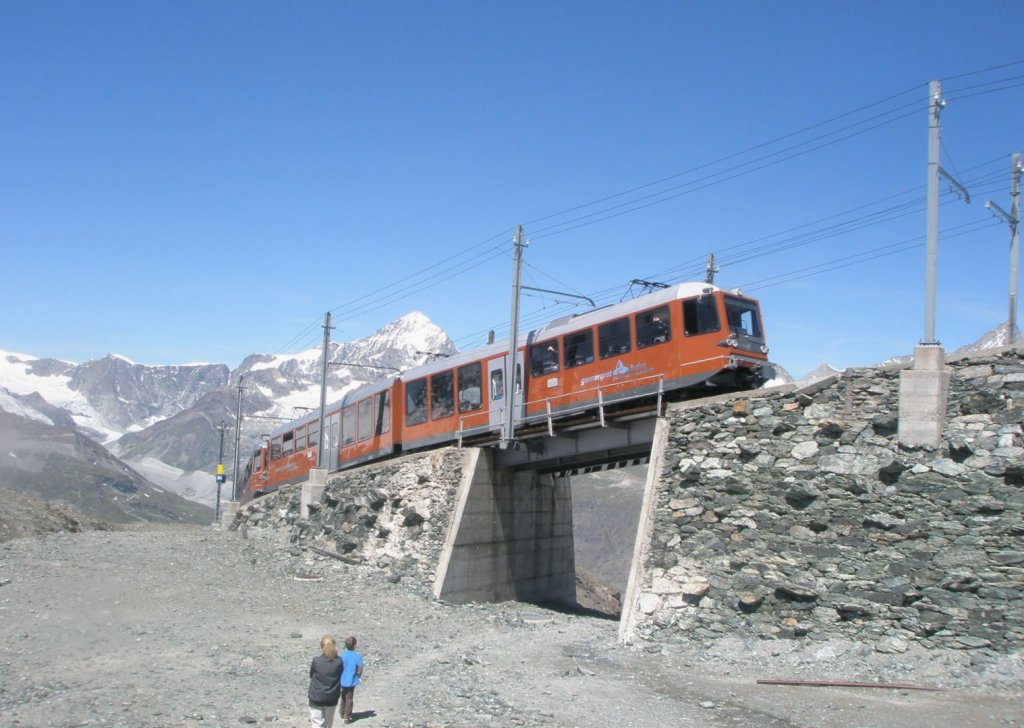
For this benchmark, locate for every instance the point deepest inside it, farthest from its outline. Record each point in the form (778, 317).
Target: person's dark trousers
(346, 703)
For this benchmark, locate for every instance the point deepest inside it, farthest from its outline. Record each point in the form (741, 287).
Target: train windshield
(743, 317)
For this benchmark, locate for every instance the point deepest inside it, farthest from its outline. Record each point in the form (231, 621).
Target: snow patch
(277, 360)
(195, 485)
(16, 407)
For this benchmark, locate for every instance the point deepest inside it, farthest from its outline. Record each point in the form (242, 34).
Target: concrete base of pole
(312, 490)
(227, 513)
(923, 393)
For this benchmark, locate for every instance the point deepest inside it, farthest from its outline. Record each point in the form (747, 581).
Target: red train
(692, 337)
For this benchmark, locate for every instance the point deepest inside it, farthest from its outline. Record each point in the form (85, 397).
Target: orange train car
(681, 341)
(358, 428)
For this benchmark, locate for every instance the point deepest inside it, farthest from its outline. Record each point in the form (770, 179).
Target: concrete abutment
(511, 537)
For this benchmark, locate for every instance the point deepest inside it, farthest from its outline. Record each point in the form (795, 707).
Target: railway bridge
(771, 513)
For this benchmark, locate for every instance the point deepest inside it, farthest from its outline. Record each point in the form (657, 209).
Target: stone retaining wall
(392, 516)
(798, 515)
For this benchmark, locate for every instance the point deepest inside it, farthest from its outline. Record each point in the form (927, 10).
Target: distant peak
(414, 319)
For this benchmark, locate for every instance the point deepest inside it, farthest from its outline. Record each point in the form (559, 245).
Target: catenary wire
(348, 310)
(370, 305)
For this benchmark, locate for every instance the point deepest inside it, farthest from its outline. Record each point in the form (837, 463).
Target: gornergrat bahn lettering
(688, 339)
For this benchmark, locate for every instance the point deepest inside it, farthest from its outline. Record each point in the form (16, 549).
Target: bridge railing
(603, 394)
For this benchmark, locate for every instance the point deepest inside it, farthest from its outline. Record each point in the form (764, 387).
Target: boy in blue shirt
(351, 671)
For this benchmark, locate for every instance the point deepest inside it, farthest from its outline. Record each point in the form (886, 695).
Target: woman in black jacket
(324, 684)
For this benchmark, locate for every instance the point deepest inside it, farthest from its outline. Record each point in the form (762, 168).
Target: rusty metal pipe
(844, 684)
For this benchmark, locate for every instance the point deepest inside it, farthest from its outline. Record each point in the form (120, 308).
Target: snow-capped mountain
(292, 382)
(994, 339)
(780, 377)
(110, 396)
(162, 420)
(46, 455)
(822, 371)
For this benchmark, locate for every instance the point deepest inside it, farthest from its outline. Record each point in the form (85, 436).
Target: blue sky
(197, 181)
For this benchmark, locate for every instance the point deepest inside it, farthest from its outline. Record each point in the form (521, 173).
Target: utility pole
(935, 106)
(221, 428)
(924, 388)
(710, 270)
(932, 242)
(1013, 220)
(323, 387)
(238, 436)
(508, 421)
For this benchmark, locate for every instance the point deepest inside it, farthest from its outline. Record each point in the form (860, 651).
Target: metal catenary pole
(934, 107)
(238, 436)
(508, 421)
(1013, 220)
(221, 428)
(1014, 244)
(323, 387)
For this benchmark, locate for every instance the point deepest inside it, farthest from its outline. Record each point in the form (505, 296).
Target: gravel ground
(197, 627)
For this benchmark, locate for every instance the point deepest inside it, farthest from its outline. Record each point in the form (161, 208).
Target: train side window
(383, 401)
(470, 387)
(613, 338)
(544, 358)
(579, 348)
(442, 394)
(313, 438)
(652, 327)
(497, 384)
(275, 448)
(416, 402)
(300, 438)
(348, 425)
(700, 316)
(365, 419)
(288, 445)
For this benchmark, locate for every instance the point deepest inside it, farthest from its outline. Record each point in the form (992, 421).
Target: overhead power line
(472, 257)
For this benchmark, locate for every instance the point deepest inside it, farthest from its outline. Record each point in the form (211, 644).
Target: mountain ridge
(162, 420)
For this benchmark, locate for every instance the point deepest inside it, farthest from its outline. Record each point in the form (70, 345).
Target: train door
(333, 425)
(496, 388)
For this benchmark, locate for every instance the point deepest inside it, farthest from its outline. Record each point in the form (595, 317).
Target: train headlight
(764, 349)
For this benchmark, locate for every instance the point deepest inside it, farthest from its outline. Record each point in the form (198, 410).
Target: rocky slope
(23, 515)
(53, 461)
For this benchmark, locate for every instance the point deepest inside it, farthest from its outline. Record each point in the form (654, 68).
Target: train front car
(688, 340)
(747, 366)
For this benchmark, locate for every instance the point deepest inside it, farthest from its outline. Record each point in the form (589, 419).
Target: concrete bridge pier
(510, 539)
(923, 393)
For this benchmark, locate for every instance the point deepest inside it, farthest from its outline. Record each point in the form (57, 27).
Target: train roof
(559, 326)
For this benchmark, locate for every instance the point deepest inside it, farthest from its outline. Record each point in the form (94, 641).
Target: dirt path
(192, 627)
